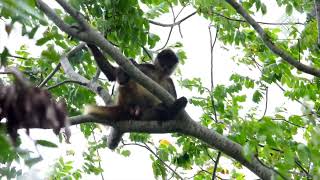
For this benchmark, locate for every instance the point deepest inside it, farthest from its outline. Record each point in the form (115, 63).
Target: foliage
(285, 141)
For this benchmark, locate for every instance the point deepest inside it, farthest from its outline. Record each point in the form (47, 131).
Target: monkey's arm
(103, 63)
(169, 86)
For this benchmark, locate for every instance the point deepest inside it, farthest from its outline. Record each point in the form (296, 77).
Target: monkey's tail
(107, 112)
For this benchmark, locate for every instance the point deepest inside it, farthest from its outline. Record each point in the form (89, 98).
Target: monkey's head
(122, 76)
(166, 61)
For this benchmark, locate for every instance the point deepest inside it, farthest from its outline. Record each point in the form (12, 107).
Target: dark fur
(134, 101)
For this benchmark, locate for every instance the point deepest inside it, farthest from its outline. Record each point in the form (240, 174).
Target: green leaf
(46, 143)
(263, 8)
(4, 57)
(257, 96)
(125, 153)
(32, 161)
(289, 9)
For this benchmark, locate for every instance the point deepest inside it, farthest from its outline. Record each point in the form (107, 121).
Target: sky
(197, 46)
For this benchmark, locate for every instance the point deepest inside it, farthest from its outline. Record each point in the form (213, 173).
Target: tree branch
(65, 82)
(75, 77)
(50, 75)
(173, 24)
(259, 22)
(216, 166)
(184, 125)
(266, 39)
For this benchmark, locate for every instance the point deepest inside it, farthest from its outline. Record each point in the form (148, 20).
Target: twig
(50, 75)
(64, 82)
(266, 105)
(173, 24)
(259, 22)
(17, 57)
(278, 119)
(298, 163)
(212, 44)
(216, 165)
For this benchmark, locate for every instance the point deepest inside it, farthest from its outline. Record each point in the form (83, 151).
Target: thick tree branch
(266, 39)
(94, 86)
(184, 125)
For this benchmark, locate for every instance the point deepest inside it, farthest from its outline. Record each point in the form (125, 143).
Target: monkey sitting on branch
(133, 100)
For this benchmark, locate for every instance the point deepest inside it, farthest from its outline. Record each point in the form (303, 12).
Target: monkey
(133, 100)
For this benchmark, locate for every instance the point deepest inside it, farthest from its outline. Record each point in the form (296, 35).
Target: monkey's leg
(163, 112)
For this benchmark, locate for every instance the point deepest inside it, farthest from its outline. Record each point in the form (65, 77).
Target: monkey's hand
(135, 111)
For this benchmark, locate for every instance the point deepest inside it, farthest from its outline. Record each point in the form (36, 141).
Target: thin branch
(212, 44)
(50, 75)
(268, 42)
(298, 163)
(275, 149)
(171, 29)
(173, 24)
(96, 76)
(65, 82)
(17, 57)
(259, 22)
(266, 105)
(147, 52)
(278, 119)
(216, 166)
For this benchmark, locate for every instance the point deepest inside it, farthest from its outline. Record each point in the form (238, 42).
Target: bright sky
(196, 45)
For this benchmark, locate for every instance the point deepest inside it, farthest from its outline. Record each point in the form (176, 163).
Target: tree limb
(266, 39)
(53, 72)
(94, 86)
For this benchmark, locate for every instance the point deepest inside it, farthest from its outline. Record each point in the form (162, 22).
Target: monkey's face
(166, 61)
(167, 67)
(122, 77)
